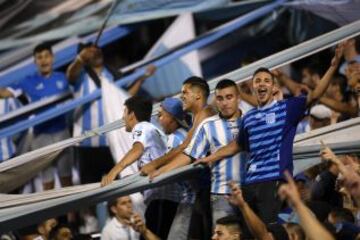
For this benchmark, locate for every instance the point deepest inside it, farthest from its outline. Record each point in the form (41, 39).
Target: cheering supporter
(86, 73)
(270, 128)
(227, 228)
(43, 84)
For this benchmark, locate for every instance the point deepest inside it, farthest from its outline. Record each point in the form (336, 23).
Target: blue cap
(174, 107)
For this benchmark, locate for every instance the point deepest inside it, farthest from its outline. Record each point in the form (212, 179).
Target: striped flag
(168, 79)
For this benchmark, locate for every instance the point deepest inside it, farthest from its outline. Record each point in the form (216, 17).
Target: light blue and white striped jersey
(176, 138)
(90, 115)
(212, 134)
(7, 147)
(267, 133)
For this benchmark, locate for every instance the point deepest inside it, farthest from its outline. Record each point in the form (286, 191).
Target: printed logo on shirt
(252, 168)
(270, 118)
(60, 84)
(40, 86)
(138, 133)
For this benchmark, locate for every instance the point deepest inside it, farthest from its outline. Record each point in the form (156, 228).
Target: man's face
(166, 120)
(311, 80)
(44, 62)
(263, 87)
(188, 96)
(123, 208)
(127, 117)
(318, 123)
(222, 232)
(227, 101)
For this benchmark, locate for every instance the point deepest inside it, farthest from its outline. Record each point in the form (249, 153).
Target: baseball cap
(320, 112)
(174, 107)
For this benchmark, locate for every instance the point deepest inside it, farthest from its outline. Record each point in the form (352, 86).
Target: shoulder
(209, 120)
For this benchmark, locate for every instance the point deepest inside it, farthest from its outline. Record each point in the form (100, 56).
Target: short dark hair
(200, 83)
(110, 204)
(56, 229)
(265, 70)
(343, 214)
(229, 220)
(225, 83)
(42, 47)
(140, 106)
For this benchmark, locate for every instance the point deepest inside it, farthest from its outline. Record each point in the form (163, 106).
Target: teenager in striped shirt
(267, 133)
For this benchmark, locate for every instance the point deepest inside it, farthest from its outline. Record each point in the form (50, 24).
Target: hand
(107, 179)
(138, 224)
(277, 73)
(150, 70)
(327, 154)
(236, 198)
(203, 161)
(289, 191)
(147, 169)
(339, 51)
(155, 174)
(87, 54)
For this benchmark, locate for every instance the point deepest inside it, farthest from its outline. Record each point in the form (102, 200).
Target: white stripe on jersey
(7, 147)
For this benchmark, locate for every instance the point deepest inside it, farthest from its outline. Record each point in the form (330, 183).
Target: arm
(135, 153)
(138, 225)
(157, 163)
(134, 88)
(248, 98)
(255, 225)
(341, 107)
(325, 80)
(75, 68)
(312, 227)
(4, 93)
(179, 161)
(228, 150)
(294, 87)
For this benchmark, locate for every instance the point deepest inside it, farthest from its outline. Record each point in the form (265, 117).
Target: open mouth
(262, 92)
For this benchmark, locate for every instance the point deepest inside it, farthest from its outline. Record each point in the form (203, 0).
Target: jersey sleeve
(296, 109)
(199, 145)
(142, 135)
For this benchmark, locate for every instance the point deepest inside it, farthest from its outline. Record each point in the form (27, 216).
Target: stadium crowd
(243, 138)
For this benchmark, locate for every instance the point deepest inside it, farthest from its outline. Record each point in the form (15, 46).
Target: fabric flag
(120, 142)
(168, 79)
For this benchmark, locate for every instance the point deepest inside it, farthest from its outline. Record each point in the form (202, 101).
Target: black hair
(42, 47)
(225, 83)
(229, 220)
(265, 70)
(343, 214)
(200, 83)
(110, 204)
(140, 106)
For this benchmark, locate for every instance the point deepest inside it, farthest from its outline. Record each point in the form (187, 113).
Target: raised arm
(312, 227)
(295, 88)
(325, 80)
(75, 68)
(256, 226)
(134, 154)
(135, 87)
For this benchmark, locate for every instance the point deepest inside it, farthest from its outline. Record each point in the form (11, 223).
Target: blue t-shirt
(268, 133)
(37, 87)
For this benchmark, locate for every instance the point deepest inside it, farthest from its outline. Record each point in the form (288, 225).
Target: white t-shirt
(152, 139)
(115, 230)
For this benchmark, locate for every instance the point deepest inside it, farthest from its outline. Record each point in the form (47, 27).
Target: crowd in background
(243, 137)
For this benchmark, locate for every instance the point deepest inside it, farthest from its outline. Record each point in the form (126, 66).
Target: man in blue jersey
(267, 133)
(46, 83)
(213, 133)
(86, 73)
